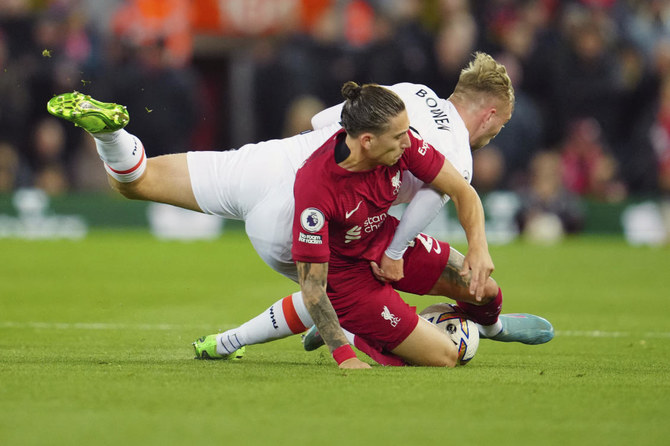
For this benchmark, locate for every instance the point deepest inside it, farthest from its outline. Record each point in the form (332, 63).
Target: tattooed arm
(477, 264)
(312, 278)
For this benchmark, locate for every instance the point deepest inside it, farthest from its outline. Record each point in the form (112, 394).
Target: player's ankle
(489, 331)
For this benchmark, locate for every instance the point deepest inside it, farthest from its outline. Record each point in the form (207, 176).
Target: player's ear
(488, 115)
(365, 139)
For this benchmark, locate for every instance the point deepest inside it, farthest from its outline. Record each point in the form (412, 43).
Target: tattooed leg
(453, 285)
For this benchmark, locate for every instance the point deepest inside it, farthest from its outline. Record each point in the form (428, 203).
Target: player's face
(387, 148)
(493, 126)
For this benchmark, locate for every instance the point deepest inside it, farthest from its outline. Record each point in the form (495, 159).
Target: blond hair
(484, 75)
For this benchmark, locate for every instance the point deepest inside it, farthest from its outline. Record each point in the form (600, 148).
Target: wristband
(342, 353)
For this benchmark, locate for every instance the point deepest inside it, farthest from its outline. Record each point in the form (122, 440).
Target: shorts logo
(427, 242)
(312, 220)
(386, 314)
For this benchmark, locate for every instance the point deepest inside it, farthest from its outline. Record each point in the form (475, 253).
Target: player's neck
(356, 161)
(471, 115)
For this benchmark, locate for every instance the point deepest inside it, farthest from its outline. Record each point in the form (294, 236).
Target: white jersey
(255, 182)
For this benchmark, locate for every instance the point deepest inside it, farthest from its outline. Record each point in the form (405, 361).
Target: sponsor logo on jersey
(423, 148)
(466, 175)
(352, 234)
(387, 315)
(395, 183)
(373, 223)
(370, 224)
(351, 212)
(312, 239)
(312, 220)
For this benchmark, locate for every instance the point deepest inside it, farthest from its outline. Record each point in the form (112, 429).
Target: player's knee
(132, 190)
(125, 189)
(446, 356)
(490, 292)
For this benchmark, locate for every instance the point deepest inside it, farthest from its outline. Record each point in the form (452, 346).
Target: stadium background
(587, 150)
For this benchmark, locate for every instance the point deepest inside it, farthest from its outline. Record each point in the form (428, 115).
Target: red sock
(484, 314)
(381, 358)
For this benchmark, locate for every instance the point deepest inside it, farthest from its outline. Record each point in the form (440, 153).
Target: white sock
(285, 317)
(490, 330)
(122, 153)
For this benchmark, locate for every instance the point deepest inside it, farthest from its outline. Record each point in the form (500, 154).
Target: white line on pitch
(169, 327)
(100, 326)
(611, 334)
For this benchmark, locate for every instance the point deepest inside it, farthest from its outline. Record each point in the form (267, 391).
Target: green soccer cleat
(205, 348)
(312, 339)
(87, 113)
(524, 328)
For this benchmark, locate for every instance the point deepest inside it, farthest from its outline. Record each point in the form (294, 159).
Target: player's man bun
(368, 108)
(351, 90)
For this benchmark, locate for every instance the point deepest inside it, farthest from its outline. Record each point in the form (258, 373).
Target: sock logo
(272, 317)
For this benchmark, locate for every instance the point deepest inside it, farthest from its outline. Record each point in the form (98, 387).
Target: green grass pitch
(95, 349)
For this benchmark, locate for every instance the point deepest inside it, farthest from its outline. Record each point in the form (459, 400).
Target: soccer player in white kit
(255, 183)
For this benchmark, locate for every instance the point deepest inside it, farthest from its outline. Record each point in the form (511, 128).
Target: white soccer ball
(462, 331)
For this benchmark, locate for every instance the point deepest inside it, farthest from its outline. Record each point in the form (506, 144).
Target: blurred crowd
(592, 80)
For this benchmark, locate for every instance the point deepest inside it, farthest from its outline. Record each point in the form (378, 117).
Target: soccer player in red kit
(255, 184)
(342, 196)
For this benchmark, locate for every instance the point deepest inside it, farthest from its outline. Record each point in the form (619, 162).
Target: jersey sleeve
(422, 210)
(310, 221)
(327, 117)
(423, 160)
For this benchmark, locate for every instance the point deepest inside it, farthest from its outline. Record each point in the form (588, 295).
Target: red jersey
(342, 216)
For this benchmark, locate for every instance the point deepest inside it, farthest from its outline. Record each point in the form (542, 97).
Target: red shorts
(374, 310)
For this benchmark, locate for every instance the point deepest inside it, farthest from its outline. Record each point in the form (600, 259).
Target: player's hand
(354, 363)
(389, 271)
(479, 265)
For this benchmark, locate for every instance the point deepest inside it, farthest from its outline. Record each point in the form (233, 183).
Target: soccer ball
(454, 322)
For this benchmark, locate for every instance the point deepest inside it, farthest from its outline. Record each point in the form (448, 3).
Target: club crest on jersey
(386, 314)
(395, 183)
(312, 220)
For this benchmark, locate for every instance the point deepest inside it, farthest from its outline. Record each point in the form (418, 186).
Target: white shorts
(255, 184)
